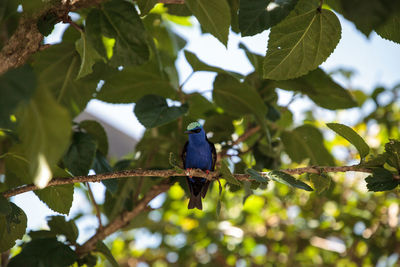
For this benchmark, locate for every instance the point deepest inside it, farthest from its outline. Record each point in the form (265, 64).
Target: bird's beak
(188, 132)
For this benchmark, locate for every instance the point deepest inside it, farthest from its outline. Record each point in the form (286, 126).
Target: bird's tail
(195, 202)
(198, 188)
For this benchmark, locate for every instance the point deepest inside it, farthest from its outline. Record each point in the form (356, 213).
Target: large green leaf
(89, 56)
(301, 42)
(80, 155)
(5, 206)
(97, 132)
(44, 252)
(16, 86)
(57, 68)
(214, 17)
(368, 15)
(58, 198)
(306, 142)
(120, 21)
(256, 16)
(320, 87)
(351, 136)
(44, 130)
(153, 111)
(381, 180)
(198, 65)
(59, 225)
(131, 84)
(390, 30)
(12, 227)
(287, 179)
(237, 98)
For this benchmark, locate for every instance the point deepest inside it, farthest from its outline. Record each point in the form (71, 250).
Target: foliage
(116, 55)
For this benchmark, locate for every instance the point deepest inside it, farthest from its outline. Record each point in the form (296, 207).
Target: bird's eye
(197, 130)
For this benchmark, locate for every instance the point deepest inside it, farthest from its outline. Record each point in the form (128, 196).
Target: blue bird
(198, 153)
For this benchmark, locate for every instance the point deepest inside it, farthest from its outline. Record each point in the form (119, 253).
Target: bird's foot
(188, 172)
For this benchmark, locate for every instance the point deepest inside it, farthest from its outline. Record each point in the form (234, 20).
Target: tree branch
(27, 39)
(98, 213)
(123, 219)
(169, 173)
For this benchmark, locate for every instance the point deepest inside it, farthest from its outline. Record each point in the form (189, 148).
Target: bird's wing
(213, 153)
(183, 155)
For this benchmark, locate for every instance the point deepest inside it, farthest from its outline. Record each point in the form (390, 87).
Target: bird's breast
(199, 157)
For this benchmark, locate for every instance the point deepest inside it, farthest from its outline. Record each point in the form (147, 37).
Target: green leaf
(256, 176)
(97, 132)
(237, 98)
(12, 227)
(198, 65)
(255, 16)
(306, 142)
(5, 206)
(58, 198)
(80, 155)
(145, 6)
(214, 17)
(46, 23)
(131, 84)
(390, 30)
(227, 174)
(89, 56)
(289, 180)
(301, 42)
(44, 130)
(44, 252)
(120, 21)
(103, 249)
(220, 125)
(153, 111)
(368, 15)
(320, 87)
(57, 68)
(255, 59)
(350, 135)
(381, 180)
(199, 106)
(392, 149)
(59, 225)
(16, 86)
(320, 182)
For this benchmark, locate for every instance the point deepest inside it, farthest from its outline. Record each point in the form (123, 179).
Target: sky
(377, 62)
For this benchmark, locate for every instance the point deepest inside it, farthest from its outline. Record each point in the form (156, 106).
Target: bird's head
(195, 131)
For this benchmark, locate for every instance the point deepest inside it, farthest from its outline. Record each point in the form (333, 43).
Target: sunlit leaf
(351, 136)
(289, 180)
(301, 42)
(214, 16)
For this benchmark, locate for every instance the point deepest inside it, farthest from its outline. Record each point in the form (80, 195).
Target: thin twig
(179, 2)
(169, 173)
(123, 219)
(98, 214)
(321, 2)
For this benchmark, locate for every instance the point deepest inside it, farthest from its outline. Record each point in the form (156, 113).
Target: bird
(198, 153)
